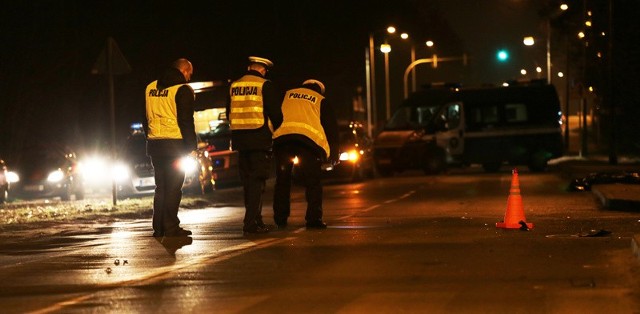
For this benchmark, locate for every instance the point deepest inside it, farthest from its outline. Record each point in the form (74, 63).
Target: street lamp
(371, 81)
(386, 49)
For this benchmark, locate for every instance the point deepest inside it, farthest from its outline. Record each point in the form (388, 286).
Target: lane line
(166, 272)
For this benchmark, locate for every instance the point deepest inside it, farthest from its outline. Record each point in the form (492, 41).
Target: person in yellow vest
(309, 131)
(253, 111)
(170, 135)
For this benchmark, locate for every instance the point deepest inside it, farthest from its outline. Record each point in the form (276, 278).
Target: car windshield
(411, 118)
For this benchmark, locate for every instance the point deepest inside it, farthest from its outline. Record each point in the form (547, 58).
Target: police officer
(253, 112)
(310, 132)
(170, 135)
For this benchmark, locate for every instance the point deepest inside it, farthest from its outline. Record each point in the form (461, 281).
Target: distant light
(523, 72)
(502, 55)
(589, 13)
(603, 34)
(385, 48)
(539, 69)
(391, 29)
(429, 43)
(587, 23)
(528, 41)
(564, 7)
(560, 74)
(591, 89)
(580, 34)
(505, 84)
(404, 35)
(599, 54)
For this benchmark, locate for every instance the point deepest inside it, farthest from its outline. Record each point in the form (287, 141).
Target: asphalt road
(411, 243)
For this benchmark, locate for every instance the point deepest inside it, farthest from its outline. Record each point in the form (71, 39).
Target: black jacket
(261, 138)
(184, 106)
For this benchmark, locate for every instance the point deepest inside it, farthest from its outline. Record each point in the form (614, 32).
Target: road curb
(618, 196)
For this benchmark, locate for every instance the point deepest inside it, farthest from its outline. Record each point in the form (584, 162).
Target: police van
(436, 128)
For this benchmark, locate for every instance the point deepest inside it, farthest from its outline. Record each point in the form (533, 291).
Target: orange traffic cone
(514, 218)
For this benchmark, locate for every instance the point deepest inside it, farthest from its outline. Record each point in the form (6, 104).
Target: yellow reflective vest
(162, 114)
(247, 107)
(301, 115)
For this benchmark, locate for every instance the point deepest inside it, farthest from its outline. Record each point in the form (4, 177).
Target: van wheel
(491, 166)
(434, 162)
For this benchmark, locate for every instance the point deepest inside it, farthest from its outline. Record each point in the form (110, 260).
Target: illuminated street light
(564, 7)
(560, 74)
(404, 35)
(539, 69)
(528, 41)
(523, 71)
(429, 43)
(371, 80)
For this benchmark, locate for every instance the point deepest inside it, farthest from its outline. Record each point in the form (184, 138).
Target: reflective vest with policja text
(247, 107)
(301, 115)
(162, 114)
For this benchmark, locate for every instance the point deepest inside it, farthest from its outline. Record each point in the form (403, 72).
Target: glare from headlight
(351, 155)
(120, 172)
(188, 164)
(55, 176)
(95, 169)
(295, 160)
(12, 177)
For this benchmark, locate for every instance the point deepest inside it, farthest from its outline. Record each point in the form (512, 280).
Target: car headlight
(351, 155)
(120, 172)
(188, 164)
(94, 169)
(12, 177)
(55, 176)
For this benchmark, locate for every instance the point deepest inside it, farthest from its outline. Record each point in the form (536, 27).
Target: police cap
(263, 61)
(316, 82)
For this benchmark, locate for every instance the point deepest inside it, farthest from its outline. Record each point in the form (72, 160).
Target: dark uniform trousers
(310, 172)
(169, 179)
(255, 166)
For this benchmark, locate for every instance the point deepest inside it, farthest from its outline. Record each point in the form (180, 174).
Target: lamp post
(386, 49)
(372, 107)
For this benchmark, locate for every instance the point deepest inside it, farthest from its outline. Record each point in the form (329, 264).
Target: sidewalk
(614, 195)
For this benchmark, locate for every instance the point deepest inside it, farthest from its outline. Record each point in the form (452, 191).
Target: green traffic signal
(502, 55)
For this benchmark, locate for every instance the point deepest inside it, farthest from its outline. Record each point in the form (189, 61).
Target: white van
(437, 128)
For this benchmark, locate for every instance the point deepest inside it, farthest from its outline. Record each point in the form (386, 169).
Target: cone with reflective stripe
(514, 217)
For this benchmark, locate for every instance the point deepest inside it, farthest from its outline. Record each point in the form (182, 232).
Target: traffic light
(502, 55)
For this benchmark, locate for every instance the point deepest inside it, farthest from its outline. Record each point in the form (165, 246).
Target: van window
(482, 116)
(411, 118)
(515, 113)
(453, 116)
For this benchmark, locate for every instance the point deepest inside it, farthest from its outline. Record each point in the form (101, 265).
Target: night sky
(49, 48)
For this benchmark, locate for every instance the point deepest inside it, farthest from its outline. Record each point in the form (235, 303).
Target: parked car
(219, 138)
(4, 182)
(134, 174)
(224, 160)
(46, 170)
(356, 155)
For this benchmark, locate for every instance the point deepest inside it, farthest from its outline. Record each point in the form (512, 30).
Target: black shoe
(316, 225)
(255, 230)
(158, 234)
(178, 233)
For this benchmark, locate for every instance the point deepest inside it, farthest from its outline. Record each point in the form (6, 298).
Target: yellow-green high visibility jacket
(301, 115)
(247, 108)
(162, 115)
